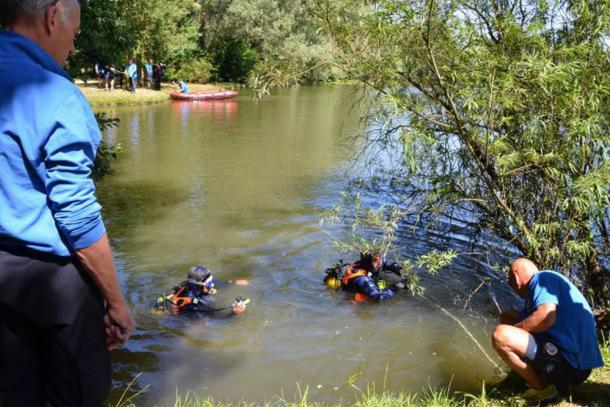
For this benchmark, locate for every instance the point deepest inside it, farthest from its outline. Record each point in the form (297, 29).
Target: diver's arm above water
(206, 306)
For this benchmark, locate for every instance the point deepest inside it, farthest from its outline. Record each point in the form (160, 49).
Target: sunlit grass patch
(99, 97)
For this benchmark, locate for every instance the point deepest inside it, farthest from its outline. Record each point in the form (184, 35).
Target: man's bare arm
(541, 319)
(97, 260)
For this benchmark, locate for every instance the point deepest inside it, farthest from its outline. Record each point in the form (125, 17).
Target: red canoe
(204, 95)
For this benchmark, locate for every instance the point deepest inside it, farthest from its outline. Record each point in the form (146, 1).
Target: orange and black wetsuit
(358, 279)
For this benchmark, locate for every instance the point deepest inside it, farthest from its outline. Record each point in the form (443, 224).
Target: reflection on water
(238, 186)
(217, 109)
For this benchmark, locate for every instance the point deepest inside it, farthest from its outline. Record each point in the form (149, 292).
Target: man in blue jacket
(61, 309)
(552, 342)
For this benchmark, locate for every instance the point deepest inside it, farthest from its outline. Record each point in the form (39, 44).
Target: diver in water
(364, 278)
(195, 295)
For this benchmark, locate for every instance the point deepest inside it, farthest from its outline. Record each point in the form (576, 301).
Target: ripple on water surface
(239, 188)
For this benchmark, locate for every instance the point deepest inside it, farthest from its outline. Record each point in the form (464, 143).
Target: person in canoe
(195, 295)
(366, 278)
(182, 86)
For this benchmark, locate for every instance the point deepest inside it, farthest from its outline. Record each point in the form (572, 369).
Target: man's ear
(51, 17)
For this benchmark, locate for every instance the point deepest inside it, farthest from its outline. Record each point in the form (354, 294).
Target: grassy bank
(99, 97)
(595, 392)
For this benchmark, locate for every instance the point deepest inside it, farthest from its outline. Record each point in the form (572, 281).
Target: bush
(105, 154)
(198, 70)
(233, 60)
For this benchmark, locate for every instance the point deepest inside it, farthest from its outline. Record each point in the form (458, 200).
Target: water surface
(238, 186)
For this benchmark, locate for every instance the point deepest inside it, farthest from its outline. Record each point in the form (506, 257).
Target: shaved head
(521, 272)
(524, 265)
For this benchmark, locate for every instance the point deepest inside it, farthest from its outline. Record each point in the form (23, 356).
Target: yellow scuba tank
(332, 282)
(334, 275)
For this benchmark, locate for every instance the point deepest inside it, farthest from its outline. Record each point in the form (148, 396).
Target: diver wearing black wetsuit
(196, 296)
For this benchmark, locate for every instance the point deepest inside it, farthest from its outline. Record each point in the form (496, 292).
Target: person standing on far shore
(109, 79)
(61, 307)
(149, 74)
(132, 73)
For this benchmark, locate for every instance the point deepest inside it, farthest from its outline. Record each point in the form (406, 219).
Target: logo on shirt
(550, 349)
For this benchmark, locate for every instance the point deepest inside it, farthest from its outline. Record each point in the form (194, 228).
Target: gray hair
(11, 10)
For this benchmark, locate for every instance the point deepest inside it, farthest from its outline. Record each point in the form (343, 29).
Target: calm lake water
(239, 186)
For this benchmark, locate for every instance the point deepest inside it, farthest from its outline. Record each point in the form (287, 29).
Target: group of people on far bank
(153, 75)
(61, 308)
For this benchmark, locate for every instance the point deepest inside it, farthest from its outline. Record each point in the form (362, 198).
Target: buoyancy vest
(351, 273)
(179, 299)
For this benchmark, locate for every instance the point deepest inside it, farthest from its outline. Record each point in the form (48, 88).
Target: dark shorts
(548, 361)
(52, 338)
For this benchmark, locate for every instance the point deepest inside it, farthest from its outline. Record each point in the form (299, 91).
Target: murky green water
(238, 186)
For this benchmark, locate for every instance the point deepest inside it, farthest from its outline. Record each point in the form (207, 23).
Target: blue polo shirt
(574, 330)
(48, 140)
(183, 87)
(132, 70)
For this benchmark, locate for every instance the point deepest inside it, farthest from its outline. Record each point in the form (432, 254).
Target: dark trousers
(52, 338)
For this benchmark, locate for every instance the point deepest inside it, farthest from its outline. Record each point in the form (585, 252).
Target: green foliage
(372, 230)
(198, 70)
(167, 31)
(434, 261)
(114, 31)
(242, 38)
(105, 154)
(106, 35)
(233, 60)
(507, 107)
(261, 38)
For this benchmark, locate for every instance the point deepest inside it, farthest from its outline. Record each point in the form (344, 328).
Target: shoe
(534, 396)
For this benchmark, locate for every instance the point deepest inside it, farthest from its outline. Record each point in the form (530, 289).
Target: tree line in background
(219, 40)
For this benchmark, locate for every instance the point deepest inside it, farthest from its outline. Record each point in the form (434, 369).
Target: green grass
(101, 98)
(595, 392)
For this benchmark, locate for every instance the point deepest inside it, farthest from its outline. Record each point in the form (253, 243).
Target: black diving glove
(393, 268)
(398, 286)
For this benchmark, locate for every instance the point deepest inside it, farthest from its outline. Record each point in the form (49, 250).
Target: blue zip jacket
(48, 140)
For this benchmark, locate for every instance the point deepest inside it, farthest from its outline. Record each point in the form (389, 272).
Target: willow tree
(245, 37)
(500, 113)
